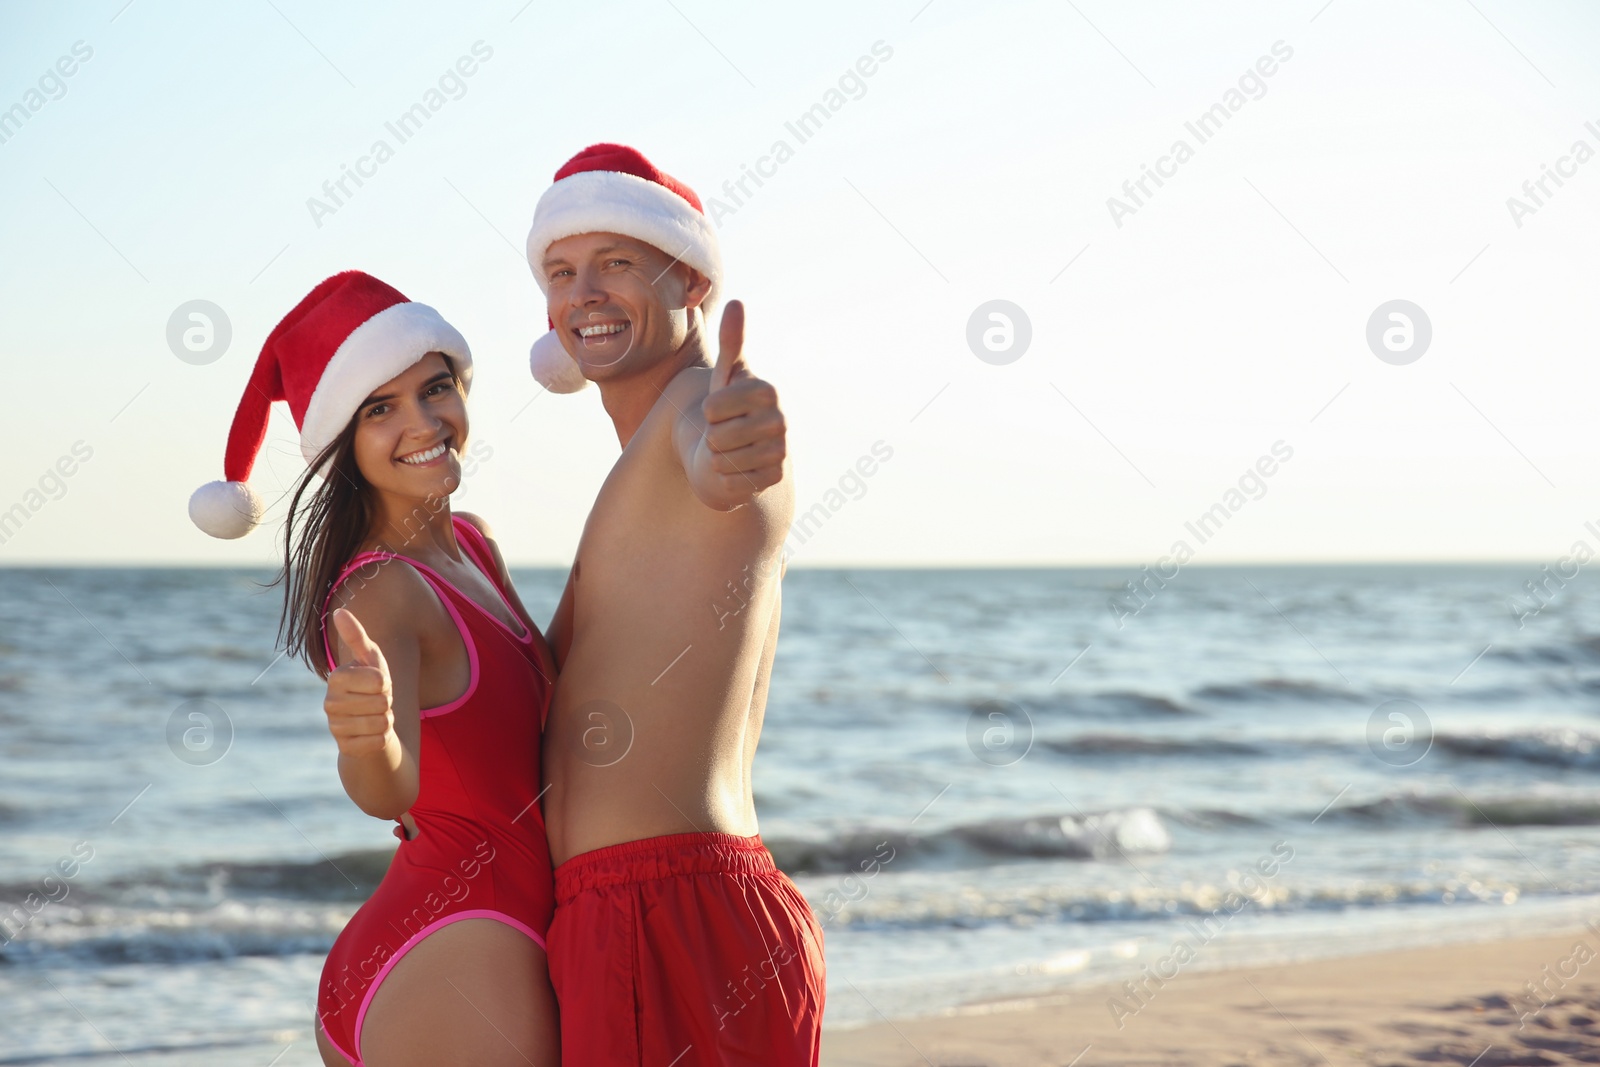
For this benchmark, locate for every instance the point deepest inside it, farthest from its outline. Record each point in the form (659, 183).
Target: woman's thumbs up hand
(360, 699)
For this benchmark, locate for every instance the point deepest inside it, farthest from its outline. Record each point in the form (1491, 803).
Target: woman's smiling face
(411, 430)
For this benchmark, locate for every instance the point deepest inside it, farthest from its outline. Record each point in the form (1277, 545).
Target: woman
(438, 681)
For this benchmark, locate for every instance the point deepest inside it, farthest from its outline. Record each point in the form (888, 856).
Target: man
(675, 941)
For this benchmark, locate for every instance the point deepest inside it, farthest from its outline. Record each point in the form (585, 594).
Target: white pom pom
(226, 509)
(556, 371)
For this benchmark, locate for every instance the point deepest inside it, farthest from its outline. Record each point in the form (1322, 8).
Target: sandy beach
(1461, 1004)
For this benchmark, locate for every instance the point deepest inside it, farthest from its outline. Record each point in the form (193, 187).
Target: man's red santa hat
(348, 336)
(610, 188)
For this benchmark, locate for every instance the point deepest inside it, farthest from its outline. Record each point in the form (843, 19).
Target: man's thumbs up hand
(745, 439)
(359, 702)
(730, 348)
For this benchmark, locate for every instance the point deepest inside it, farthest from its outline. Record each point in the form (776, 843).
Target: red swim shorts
(685, 950)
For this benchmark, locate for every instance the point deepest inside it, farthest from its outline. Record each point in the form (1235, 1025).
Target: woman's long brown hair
(330, 529)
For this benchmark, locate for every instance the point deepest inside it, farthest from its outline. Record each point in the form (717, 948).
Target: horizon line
(834, 566)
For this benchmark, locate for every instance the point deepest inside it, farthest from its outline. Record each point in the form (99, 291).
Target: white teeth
(423, 457)
(601, 331)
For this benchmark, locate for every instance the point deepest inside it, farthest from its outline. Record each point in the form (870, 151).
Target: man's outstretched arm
(733, 443)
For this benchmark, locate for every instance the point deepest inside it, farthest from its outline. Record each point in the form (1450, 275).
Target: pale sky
(1228, 313)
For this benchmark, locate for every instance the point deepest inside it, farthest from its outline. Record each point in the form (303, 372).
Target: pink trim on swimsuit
(488, 571)
(474, 545)
(461, 627)
(323, 1026)
(485, 560)
(411, 943)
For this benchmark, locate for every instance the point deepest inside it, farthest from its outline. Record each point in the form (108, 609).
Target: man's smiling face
(619, 304)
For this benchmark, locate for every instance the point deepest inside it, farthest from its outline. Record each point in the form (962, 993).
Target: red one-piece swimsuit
(480, 851)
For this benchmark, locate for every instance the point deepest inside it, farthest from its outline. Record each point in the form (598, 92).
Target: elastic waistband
(662, 857)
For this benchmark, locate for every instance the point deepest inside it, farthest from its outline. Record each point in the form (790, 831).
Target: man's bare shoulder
(688, 387)
(676, 422)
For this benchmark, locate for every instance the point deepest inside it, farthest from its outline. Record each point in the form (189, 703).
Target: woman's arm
(372, 703)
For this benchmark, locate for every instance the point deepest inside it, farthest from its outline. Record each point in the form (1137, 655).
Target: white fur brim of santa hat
(348, 336)
(379, 349)
(610, 188)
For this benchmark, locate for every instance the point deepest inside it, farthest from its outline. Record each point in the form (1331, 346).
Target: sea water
(989, 783)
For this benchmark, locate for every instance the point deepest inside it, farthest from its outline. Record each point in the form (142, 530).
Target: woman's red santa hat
(348, 336)
(610, 188)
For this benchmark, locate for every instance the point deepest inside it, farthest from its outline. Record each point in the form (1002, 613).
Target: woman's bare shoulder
(387, 595)
(477, 521)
